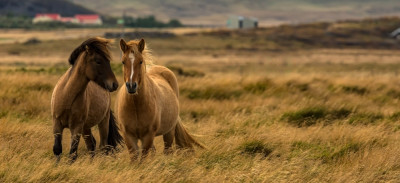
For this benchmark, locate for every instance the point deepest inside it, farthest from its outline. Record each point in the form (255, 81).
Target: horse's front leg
(132, 144)
(89, 141)
(57, 132)
(147, 143)
(76, 132)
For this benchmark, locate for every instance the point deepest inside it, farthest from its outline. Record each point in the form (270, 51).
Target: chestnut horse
(81, 99)
(147, 105)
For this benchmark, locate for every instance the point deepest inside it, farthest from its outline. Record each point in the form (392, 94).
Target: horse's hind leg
(57, 131)
(168, 141)
(89, 140)
(103, 129)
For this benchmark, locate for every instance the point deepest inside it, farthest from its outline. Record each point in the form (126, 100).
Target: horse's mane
(96, 44)
(146, 54)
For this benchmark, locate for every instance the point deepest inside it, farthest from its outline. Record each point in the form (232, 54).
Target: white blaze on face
(132, 58)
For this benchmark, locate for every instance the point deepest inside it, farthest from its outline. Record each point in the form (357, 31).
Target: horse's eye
(98, 62)
(123, 62)
(141, 62)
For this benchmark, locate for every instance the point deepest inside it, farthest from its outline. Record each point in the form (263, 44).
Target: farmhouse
(77, 19)
(89, 19)
(41, 17)
(240, 22)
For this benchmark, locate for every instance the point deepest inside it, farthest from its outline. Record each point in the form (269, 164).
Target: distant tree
(149, 22)
(174, 23)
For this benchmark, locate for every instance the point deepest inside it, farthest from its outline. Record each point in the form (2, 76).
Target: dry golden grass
(303, 116)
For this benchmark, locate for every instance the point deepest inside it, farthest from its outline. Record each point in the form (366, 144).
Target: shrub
(305, 117)
(355, 89)
(186, 72)
(325, 152)
(259, 86)
(339, 113)
(395, 116)
(365, 118)
(300, 86)
(255, 147)
(218, 93)
(311, 115)
(393, 93)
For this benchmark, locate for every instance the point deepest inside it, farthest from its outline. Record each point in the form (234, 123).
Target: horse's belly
(169, 116)
(99, 105)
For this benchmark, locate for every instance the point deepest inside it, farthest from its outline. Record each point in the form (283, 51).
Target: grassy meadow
(266, 115)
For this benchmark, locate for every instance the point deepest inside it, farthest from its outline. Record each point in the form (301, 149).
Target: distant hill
(31, 7)
(359, 34)
(215, 12)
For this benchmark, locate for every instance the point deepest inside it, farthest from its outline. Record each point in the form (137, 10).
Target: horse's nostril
(115, 85)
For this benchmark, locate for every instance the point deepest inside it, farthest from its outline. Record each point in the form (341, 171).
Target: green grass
(365, 118)
(312, 115)
(256, 147)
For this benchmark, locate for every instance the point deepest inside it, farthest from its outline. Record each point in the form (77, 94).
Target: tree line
(16, 21)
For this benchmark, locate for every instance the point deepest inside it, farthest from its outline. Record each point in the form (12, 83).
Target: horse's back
(157, 72)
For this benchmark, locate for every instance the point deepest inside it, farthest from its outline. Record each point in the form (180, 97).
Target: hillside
(215, 12)
(31, 7)
(366, 33)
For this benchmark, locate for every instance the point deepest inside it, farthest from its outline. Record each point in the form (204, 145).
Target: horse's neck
(75, 84)
(145, 92)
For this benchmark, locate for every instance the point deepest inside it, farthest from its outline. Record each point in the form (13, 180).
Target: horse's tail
(114, 137)
(183, 139)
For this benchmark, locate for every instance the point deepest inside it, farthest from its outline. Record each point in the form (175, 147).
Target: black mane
(98, 45)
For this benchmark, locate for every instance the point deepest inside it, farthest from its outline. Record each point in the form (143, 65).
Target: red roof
(87, 17)
(53, 16)
(66, 19)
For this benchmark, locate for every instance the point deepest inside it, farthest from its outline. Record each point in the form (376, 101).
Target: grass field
(315, 115)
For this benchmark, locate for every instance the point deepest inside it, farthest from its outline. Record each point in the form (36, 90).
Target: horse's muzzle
(131, 87)
(112, 86)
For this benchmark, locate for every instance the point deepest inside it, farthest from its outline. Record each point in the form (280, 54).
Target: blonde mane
(146, 54)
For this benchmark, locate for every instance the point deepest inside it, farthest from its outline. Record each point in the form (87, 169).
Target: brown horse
(147, 105)
(81, 99)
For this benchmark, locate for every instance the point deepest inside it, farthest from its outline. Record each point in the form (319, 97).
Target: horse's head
(96, 62)
(133, 64)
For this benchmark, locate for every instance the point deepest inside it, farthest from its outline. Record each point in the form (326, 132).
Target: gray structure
(240, 22)
(395, 33)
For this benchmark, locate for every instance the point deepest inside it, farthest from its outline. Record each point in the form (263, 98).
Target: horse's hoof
(168, 151)
(92, 153)
(72, 158)
(58, 158)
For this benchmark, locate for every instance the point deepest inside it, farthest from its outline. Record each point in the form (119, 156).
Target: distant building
(395, 34)
(42, 17)
(69, 20)
(89, 19)
(240, 22)
(77, 19)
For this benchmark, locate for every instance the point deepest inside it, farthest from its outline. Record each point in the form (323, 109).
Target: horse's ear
(123, 45)
(87, 49)
(141, 45)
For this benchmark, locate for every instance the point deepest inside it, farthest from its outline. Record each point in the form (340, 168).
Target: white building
(93, 19)
(240, 22)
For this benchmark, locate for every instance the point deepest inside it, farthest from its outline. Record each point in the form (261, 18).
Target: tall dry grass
(303, 116)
